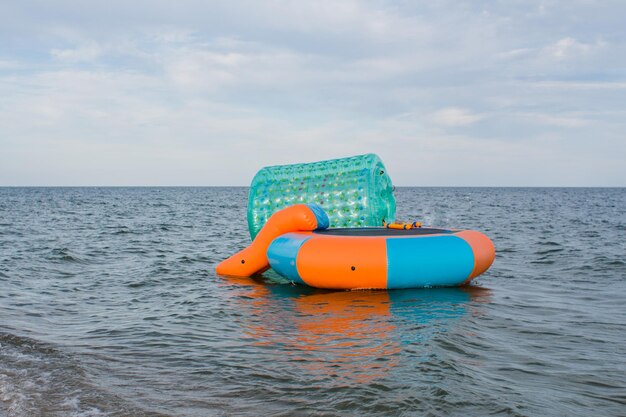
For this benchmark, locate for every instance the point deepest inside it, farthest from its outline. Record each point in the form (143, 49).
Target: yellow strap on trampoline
(403, 226)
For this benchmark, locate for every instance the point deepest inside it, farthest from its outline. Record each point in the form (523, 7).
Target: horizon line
(247, 186)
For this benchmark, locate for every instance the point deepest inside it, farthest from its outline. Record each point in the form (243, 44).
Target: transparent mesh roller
(354, 191)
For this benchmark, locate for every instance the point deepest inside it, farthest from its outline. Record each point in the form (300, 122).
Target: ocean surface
(110, 306)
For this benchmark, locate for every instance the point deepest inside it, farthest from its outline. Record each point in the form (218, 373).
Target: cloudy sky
(147, 92)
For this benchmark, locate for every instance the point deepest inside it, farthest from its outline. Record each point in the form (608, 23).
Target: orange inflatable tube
(376, 257)
(253, 259)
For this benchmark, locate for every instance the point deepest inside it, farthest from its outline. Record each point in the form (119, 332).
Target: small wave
(120, 230)
(549, 251)
(604, 263)
(142, 283)
(39, 379)
(64, 255)
(187, 260)
(550, 243)
(506, 250)
(543, 261)
(135, 251)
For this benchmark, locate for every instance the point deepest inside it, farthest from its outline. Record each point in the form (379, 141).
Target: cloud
(582, 85)
(6, 64)
(201, 93)
(454, 116)
(570, 48)
(88, 52)
(556, 120)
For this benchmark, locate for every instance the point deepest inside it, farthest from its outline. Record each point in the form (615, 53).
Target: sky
(447, 93)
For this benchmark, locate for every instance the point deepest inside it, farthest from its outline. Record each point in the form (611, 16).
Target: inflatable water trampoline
(303, 244)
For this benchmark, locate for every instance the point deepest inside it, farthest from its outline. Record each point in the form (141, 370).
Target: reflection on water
(348, 336)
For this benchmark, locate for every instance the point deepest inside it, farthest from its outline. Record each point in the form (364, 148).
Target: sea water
(109, 305)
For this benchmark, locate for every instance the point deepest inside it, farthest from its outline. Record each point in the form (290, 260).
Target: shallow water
(109, 305)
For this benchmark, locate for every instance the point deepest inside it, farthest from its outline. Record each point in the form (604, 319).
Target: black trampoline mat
(381, 231)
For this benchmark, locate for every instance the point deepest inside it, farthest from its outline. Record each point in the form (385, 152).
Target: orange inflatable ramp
(253, 259)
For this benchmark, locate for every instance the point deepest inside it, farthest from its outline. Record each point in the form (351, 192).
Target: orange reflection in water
(346, 336)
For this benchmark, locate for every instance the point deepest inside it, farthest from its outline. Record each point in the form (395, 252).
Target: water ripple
(110, 306)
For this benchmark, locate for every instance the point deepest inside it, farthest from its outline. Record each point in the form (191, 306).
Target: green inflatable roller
(354, 191)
